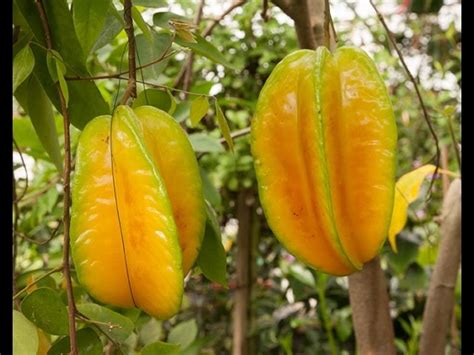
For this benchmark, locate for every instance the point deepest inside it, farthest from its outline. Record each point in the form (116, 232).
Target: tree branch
(207, 32)
(418, 94)
(216, 21)
(67, 191)
(131, 90)
(439, 305)
(34, 282)
(188, 71)
(14, 241)
(370, 312)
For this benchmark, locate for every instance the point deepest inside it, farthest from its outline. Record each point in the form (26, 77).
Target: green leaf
(150, 331)
(121, 327)
(137, 17)
(24, 279)
(23, 65)
(161, 348)
(63, 34)
(52, 57)
(151, 3)
(162, 19)
(207, 49)
(89, 20)
(34, 100)
(153, 97)
(224, 126)
(88, 343)
(148, 52)
(62, 83)
(27, 139)
(199, 108)
(210, 192)
(45, 309)
(212, 258)
(204, 143)
(23, 40)
(182, 111)
(113, 26)
(196, 347)
(85, 100)
(302, 274)
(184, 333)
(407, 254)
(415, 278)
(25, 335)
(203, 87)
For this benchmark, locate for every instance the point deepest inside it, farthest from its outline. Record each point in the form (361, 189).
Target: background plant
(285, 302)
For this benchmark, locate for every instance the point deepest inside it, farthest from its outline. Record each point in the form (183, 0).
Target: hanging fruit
(128, 218)
(324, 143)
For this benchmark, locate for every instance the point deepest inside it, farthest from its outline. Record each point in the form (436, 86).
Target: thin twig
(131, 90)
(264, 12)
(237, 134)
(216, 21)
(234, 135)
(33, 196)
(15, 226)
(66, 221)
(34, 282)
(31, 240)
(164, 56)
(207, 32)
(81, 317)
(188, 68)
(418, 94)
(17, 199)
(164, 87)
(67, 192)
(454, 142)
(86, 319)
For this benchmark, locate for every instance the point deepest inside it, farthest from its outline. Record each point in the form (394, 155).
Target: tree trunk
(241, 313)
(439, 306)
(370, 312)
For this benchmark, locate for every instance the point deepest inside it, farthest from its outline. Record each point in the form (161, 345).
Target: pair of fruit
(324, 142)
(138, 212)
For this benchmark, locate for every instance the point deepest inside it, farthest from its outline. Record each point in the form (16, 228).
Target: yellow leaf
(224, 126)
(406, 191)
(185, 35)
(199, 108)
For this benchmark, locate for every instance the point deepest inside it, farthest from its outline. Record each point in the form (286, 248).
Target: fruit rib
(360, 140)
(174, 157)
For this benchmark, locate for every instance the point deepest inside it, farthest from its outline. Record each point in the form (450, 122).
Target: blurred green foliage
(286, 296)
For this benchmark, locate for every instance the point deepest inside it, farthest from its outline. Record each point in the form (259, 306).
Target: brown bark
(439, 305)
(299, 12)
(243, 289)
(370, 312)
(445, 166)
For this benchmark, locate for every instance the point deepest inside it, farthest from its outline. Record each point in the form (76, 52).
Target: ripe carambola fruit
(125, 243)
(324, 142)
